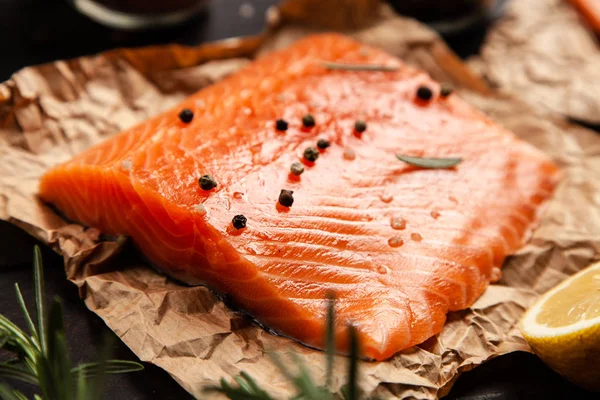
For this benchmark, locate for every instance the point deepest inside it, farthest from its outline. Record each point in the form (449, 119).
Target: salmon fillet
(400, 246)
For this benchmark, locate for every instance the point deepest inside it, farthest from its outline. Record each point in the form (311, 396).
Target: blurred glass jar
(447, 16)
(139, 14)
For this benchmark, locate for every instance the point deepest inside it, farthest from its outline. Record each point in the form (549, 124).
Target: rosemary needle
(431, 163)
(359, 67)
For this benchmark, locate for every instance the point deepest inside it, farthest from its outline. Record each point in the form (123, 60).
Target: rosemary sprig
(306, 388)
(247, 389)
(430, 163)
(40, 300)
(330, 339)
(359, 67)
(351, 389)
(42, 355)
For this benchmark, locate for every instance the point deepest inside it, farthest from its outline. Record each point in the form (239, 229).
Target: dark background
(37, 31)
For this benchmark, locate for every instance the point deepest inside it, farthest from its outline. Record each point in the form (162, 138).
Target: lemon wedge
(563, 328)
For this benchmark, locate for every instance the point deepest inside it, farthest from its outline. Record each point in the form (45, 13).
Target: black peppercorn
(311, 154)
(297, 168)
(360, 126)
(424, 93)
(286, 198)
(308, 121)
(323, 144)
(239, 222)
(281, 125)
(186, 115)
(207, 182)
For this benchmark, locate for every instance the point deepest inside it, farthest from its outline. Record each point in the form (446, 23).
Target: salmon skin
(400, 246)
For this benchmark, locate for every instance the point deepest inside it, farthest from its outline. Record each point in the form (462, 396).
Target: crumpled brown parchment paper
(50, 112)
(544, 52)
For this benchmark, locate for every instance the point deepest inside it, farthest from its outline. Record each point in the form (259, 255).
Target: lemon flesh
(563, 328)
(579, 301)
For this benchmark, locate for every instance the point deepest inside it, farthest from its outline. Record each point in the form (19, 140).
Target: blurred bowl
(139, 14)
(449, 16)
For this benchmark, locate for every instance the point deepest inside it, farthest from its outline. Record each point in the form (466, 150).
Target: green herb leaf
(243, 385)
(254, 388)
(110, 367)
(19, 395)
(43, 358)
(247, 390)
(3, 338)
(6, 393)
(13, 361)
(11, 331)
(330, 339)
(82, 388)
(306, 387)
(17, 339)
(431, 163)
(92, 386)
(28, 319)
(40, 297)
(359, 67)
(276, 359)
(352, 385)
(46, 378)
(58, 353)
(8, 343)
(8, 371)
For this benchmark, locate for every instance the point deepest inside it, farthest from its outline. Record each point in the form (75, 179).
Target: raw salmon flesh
(400, 246)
